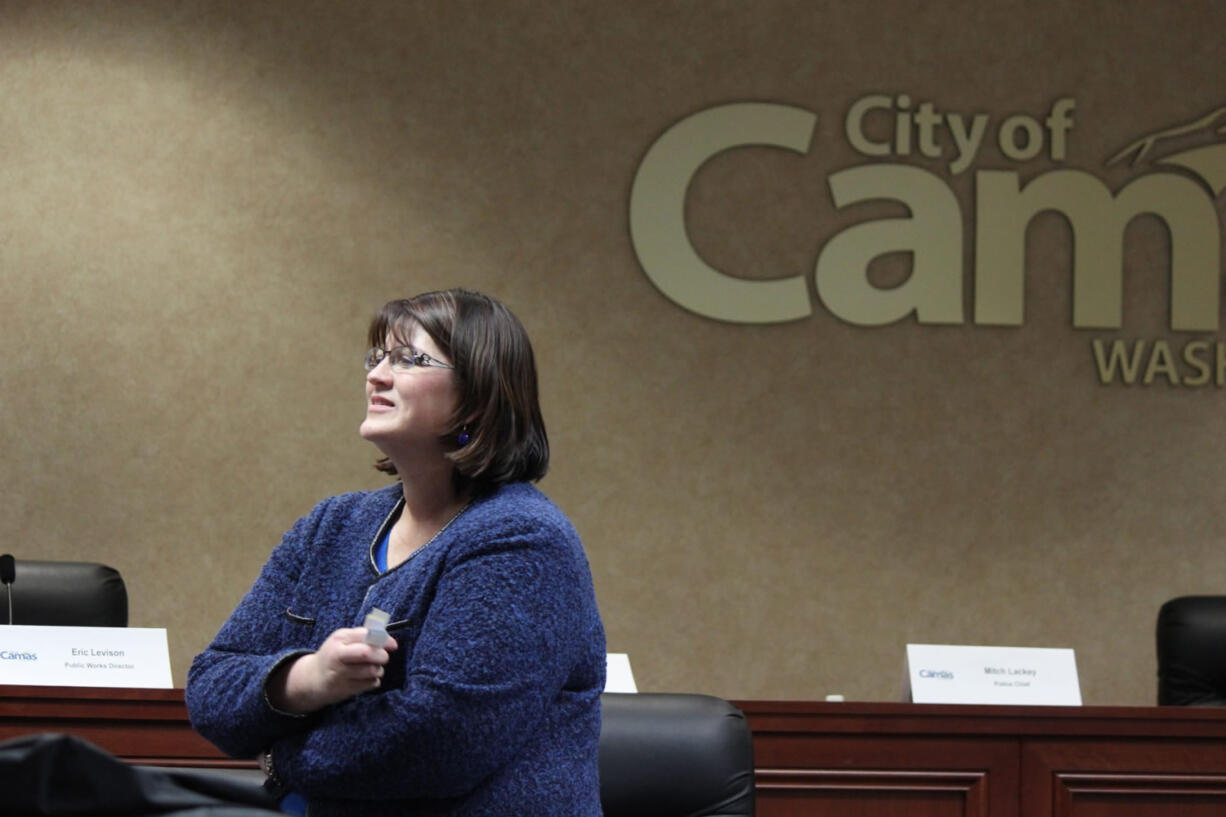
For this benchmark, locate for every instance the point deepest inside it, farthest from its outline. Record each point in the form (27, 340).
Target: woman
(485, 698)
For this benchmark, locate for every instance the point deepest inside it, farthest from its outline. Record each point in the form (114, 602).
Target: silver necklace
(437, 533)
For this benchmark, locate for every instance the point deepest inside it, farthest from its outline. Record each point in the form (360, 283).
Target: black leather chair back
(1192, 651)
(77, 594)
(674, 755)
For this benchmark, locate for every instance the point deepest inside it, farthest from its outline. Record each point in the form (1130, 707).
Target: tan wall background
(202, 203)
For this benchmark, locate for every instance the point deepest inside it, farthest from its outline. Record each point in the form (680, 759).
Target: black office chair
(1191, 638)
(674, 755)
(80, 594)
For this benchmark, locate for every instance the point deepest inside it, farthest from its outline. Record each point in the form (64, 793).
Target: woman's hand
(343, 666)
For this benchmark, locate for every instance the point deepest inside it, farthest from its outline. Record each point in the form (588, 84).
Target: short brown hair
(495, 375)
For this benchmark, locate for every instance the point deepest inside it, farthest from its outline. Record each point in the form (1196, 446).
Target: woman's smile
(379, 403)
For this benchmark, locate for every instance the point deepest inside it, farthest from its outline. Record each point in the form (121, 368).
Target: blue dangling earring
(462, 438)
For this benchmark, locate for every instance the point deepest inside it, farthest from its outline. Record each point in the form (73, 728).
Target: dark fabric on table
(52, 775)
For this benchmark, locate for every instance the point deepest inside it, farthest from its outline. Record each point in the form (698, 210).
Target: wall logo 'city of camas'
(1180, 174)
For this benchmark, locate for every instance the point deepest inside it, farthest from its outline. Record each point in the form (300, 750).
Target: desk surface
(25, 706)
(979, 719)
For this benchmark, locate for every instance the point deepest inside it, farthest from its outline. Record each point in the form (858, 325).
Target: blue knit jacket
(491, 703)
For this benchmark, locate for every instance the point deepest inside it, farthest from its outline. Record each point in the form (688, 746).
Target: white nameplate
(618, 677)
(944, 674)
(84, 656)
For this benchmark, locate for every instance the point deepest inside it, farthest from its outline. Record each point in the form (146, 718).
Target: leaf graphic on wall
(1207, 162)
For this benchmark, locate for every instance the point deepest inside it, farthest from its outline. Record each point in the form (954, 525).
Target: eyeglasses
(401, 359)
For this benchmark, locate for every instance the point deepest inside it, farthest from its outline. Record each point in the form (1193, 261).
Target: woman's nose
(382, 373)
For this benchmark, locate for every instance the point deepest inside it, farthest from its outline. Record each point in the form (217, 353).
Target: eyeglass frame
(406, 353)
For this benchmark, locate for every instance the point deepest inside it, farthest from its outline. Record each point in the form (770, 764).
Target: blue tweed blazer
(491, 704)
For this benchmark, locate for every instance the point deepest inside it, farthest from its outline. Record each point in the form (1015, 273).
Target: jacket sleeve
(496, 648)
(225, 695)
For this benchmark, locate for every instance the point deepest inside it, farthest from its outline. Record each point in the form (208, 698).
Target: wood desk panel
(1081, 778)
(822, 759)
(907, 775)
(878, 759)
(147, 726)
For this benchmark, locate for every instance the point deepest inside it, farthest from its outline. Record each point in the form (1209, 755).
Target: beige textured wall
(202, 203)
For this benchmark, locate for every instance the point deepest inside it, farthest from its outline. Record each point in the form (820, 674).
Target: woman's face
(407, 412)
